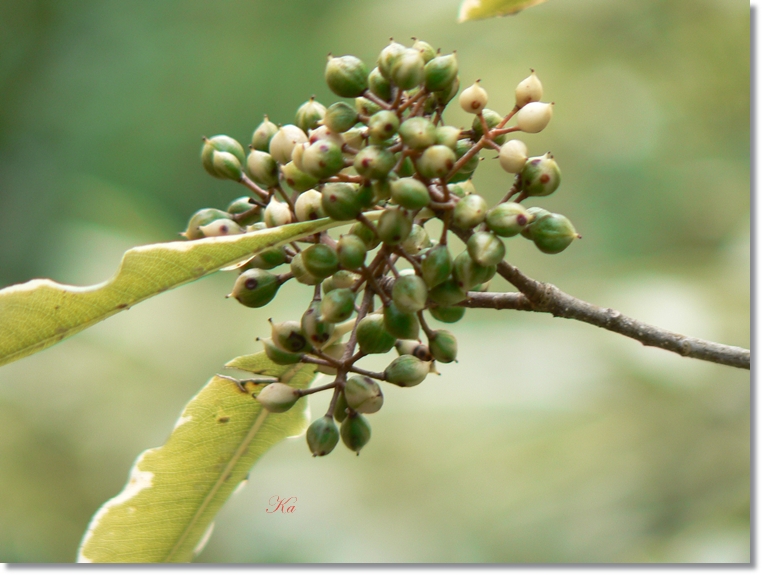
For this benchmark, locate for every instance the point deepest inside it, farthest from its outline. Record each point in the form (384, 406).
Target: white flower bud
(323, 133)
(513, 156)
(473, 99)
(308, 206)
(277, 214)
(297, 153)
(277, 397)
(533, 117)
(222, 227)
(283, 142)
(528, 90)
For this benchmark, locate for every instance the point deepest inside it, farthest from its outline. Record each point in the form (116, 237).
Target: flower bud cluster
(384, 162)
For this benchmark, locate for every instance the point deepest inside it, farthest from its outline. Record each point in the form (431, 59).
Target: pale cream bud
(473, 99)
(533, 117)
(283, 142)
(308, 206)
(528, 90)
(222, 227)
(277, 214)
(513, 156)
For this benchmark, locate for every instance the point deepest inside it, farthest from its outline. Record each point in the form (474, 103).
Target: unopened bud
(528, 90)
(533, 117)
(473, 99)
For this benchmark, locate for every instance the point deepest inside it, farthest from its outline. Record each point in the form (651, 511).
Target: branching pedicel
(391, 164)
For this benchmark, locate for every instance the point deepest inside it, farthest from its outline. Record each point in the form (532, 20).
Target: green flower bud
(410, 193)
(469, 212)
(413, 347)
(445, 96)
(418, 133)
(416, 241)
(486, 249)
(339, 117)
(407, 371)
(407, 69)
(448, 136)
(372, 336)
(473, 99)
(277, 213)
(394, 226)
(374, 162)
(262, 168)
(383, 125)
(535, 214)
(255, 288)
(341, 279)
(336, 351)
(406, 168)
(492, 119)
(443, 346)
(447, 293)
(308, 206)
(278, 355)
(533, 117)
(341, 201)
(202, 218)
(221, 227)
(540, 176)
(296, 179)
(365, 234)
(351, 251)
(309, 114)
(388, 56)
(382, 190)
(379, 85)
(363, 394)
(223, 167)
(409, 293)
(322, 436)
(467, 273)
(243, 205)
(355, 432)
(323, 159)
(267, 259)
(316, 331)
(436, 162)
(425, 49)
(365, 194)
(278, 397)
(528, 90)
(436, 265)
(340, 409)
(288, 336)
(553, 233)
(283, 142)
(440, 72)
(447, 314)
(338, 305)
(465, 172)
(260, 139)
(226, 166)
(513, 156)
(508, 219)
(320, 260)
(346, 76)
(300, 272)
(366, 107)
(400, 324)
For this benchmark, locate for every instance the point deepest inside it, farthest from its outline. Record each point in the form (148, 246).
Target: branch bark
(544, 297)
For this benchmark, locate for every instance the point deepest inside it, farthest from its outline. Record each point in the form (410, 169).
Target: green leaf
(165, 511)
(39, 313)
(480, 9)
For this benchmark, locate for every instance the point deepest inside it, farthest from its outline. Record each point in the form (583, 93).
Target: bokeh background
(550, 441)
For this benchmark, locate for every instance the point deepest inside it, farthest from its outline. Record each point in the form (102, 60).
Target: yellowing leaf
(39, 313)
(165, 512)
(481, 9)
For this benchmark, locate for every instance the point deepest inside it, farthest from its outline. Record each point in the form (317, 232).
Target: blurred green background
(550, 441)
